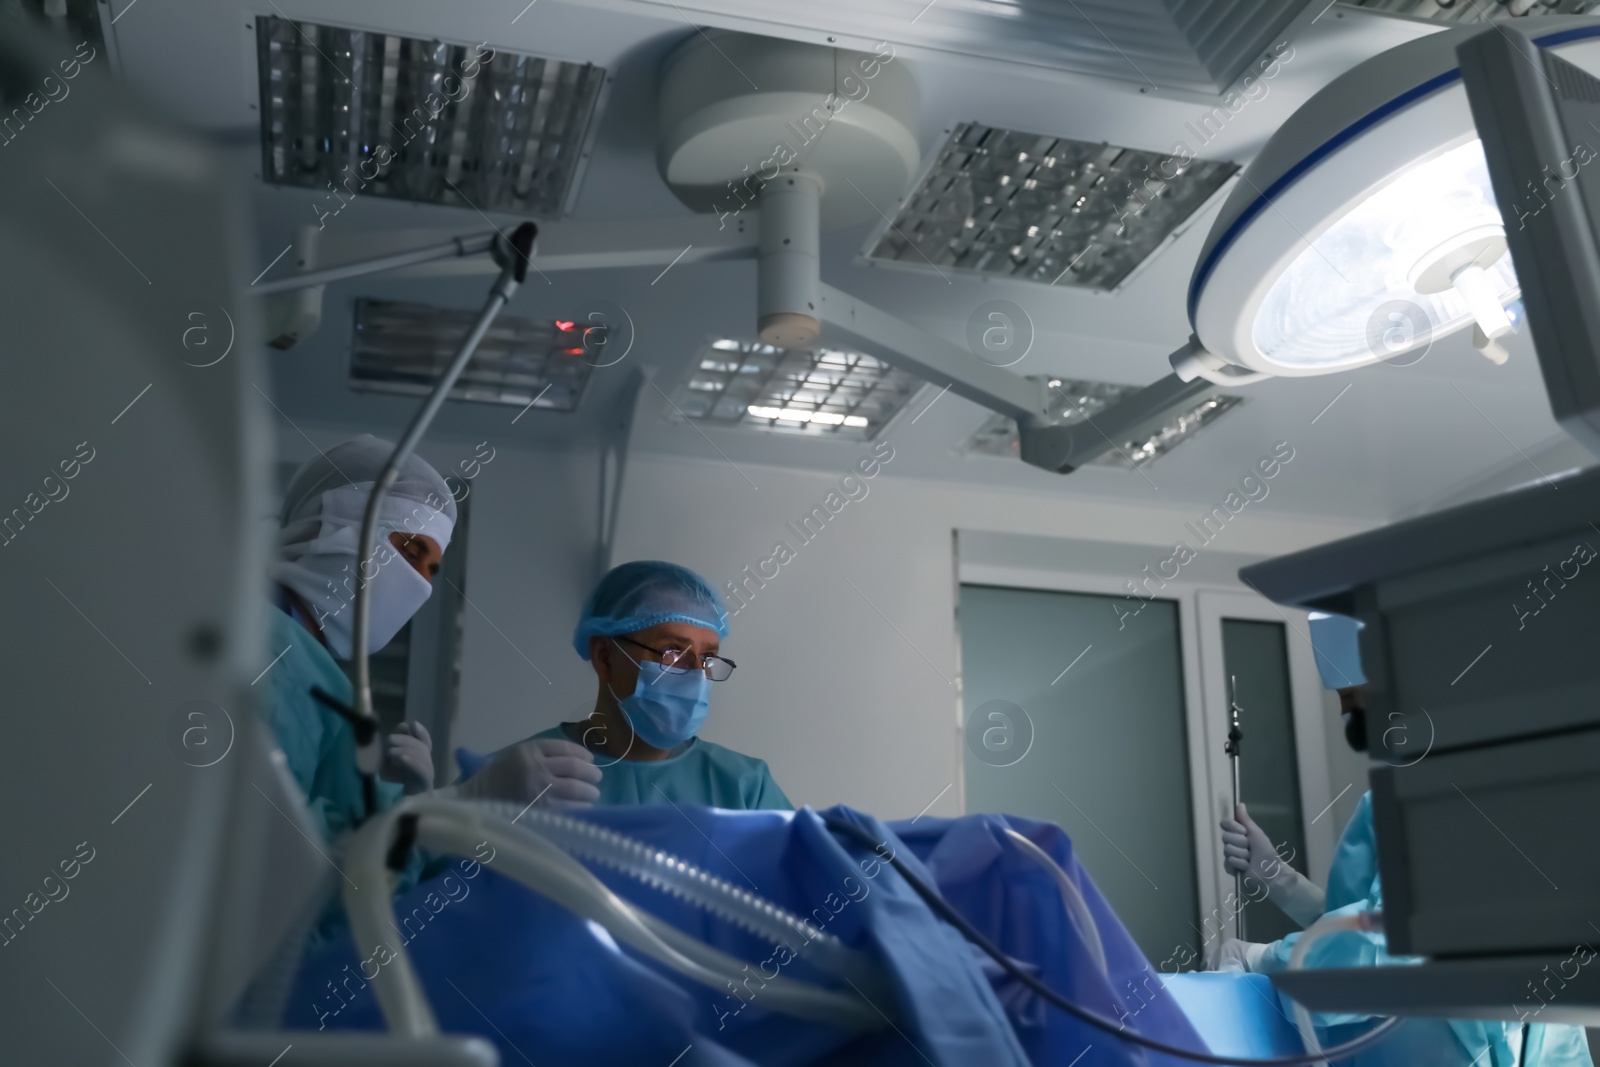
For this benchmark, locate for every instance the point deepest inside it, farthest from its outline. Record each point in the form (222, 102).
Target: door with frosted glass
(1076, 716)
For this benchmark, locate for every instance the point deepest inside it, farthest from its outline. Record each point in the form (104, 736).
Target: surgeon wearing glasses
(653, 632)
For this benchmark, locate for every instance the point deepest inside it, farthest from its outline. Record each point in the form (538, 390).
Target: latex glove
(1237, 956)
(1246, 850)
(408, 758)
(546, 770)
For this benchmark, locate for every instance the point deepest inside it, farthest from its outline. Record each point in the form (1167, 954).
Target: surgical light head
(1367, 227)
(636, 596)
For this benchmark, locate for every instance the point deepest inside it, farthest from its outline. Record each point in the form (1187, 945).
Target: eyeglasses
(676, 659)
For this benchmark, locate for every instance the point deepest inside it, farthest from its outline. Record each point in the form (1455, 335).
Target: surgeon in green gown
(652, 632)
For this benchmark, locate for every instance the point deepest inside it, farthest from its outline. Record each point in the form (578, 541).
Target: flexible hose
(942, 908)
(1071, 898)
(527, 856)
(1366, 921)
(512, 273)
(668, 873)
(523, 854)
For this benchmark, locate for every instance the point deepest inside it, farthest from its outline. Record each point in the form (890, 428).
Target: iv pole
(1232, 748)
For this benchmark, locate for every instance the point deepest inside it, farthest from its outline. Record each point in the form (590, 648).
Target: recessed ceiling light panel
(363, 113)
(1081, 401)
(818, 392)
(1044, 209)
(403, 348)
(1474, 10)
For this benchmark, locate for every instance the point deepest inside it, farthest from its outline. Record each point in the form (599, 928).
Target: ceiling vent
(1081, 401)
(361, 113)
(1195, 45)
(1051, 210)
(820, 392)
(403, 348)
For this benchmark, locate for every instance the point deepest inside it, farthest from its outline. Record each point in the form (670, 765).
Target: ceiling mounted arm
(1048, 439)
(1063, 447)
(853, 323)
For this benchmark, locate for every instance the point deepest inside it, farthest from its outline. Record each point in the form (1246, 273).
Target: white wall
(531, 559)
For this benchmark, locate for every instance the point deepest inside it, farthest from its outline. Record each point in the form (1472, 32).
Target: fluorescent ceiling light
(1081, 401)
(818, 392)
(403, 348)
(1464, 11)
(375, 114)
(1044, 209)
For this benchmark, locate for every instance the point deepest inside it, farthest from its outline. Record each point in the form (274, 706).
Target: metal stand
(514, 256)
(1232, 748)
(455, 248)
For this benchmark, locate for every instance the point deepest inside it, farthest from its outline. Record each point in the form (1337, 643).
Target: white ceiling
(1396, 441)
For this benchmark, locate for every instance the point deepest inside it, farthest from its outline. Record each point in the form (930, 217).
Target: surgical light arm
(1046, 440)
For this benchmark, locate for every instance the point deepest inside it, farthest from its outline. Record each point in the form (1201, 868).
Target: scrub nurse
(316, 577)
(1354, 886)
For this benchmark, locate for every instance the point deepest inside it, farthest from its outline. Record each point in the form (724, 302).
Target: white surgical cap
(327, 497)
(1338, 651)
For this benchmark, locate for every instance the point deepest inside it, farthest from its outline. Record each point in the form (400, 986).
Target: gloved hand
(1247, 850)
(408, 758)
(1243, 957)
(545, 770)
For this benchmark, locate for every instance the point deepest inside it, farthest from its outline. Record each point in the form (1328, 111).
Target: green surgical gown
(703, 773)
(319, 745)
(1354, 886)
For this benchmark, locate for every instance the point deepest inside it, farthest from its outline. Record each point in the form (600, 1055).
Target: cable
(943, 909)
(365, 730)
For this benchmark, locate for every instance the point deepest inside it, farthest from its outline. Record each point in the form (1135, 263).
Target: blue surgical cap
(647, 592)
(1338, 651)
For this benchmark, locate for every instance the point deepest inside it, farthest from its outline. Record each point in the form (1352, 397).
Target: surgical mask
(319, 563)
(327, 583)
(666, 707)
(1355, 728)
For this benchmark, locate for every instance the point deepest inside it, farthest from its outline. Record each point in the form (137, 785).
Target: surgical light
(1400, 244)
(1366, 227)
